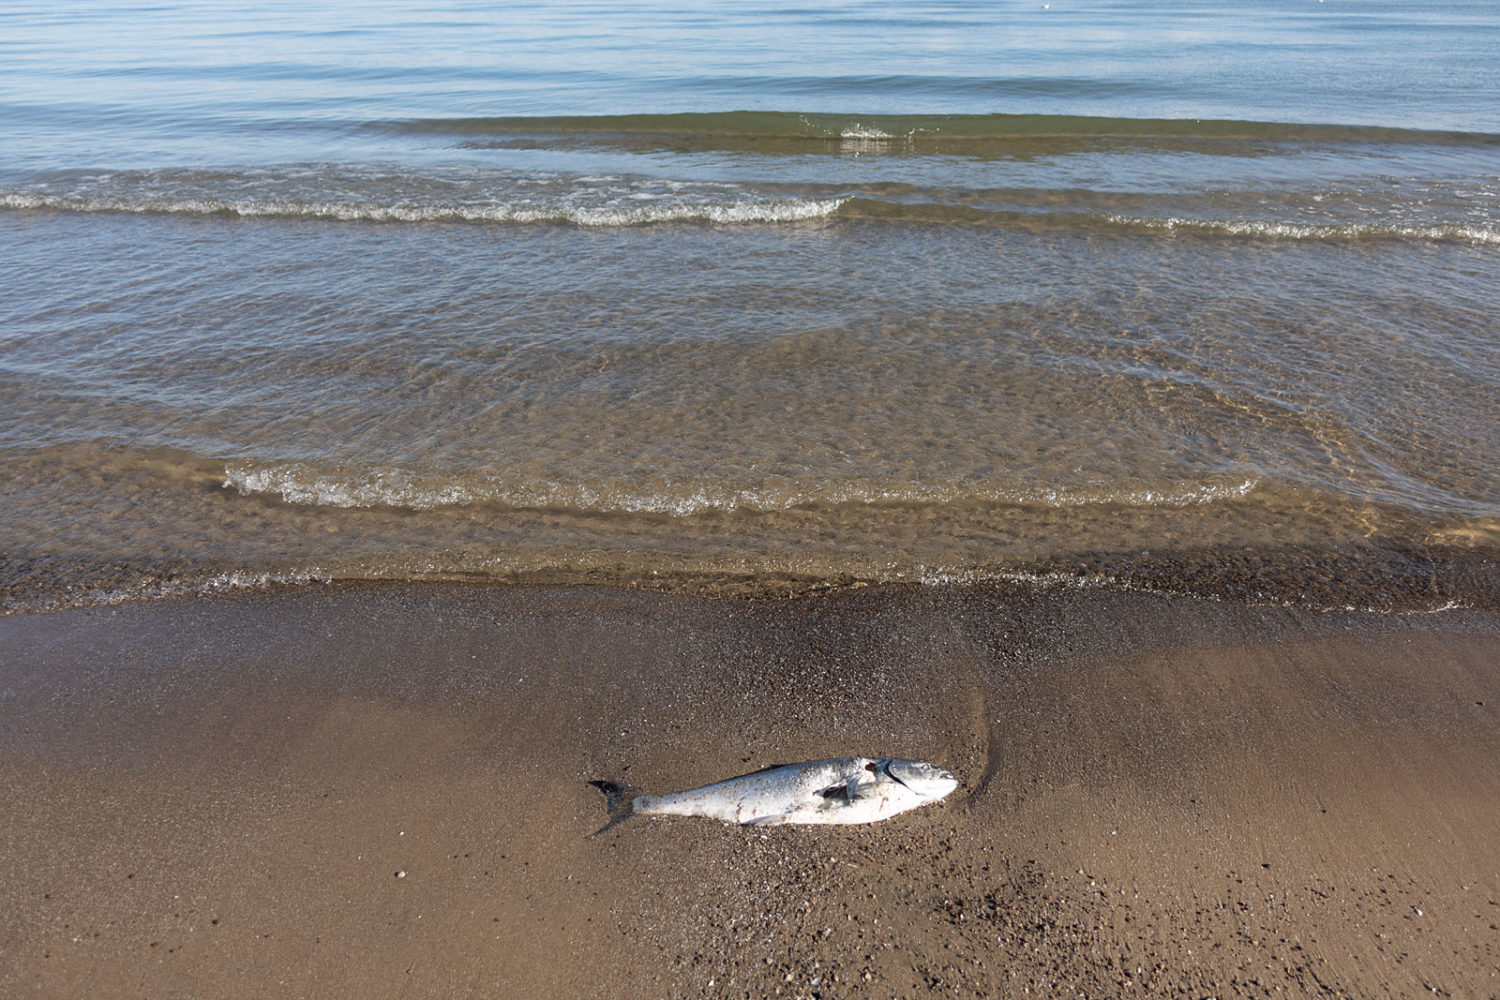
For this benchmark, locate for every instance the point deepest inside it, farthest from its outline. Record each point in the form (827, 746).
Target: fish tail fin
(620, 799)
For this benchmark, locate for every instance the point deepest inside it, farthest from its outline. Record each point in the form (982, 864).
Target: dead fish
(838, 790)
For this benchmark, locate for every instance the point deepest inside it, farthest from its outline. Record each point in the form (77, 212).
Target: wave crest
(398, 489)
(1315, 231)
(744, 210)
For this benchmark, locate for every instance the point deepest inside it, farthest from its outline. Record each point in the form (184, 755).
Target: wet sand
(371, 792)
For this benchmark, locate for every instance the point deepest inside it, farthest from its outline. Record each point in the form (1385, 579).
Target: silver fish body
(839, 790)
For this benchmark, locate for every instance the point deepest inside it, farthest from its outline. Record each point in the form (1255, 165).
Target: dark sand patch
(1163, 797)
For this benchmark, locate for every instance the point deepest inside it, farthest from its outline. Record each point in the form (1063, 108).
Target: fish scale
(839, 790)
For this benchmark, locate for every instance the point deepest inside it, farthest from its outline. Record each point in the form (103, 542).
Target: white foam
(592, 201)
(633, 209)
(246, 580)
(296, 485)
(153, 587)
(395, 488)
(930, 577)
(1310, 231)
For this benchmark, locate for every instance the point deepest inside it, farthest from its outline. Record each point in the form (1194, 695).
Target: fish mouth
(887, 768)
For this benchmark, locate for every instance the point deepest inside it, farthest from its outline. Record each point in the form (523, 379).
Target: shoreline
(1387, 578)
(1161, 796)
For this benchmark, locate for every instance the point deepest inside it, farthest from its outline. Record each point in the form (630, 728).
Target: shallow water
(1137, 297)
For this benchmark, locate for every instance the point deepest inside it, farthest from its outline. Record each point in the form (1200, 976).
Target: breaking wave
(299, 485)
(745, 210)
(1450, 211)
(964, 133)
(643, 210)
(1305, 231)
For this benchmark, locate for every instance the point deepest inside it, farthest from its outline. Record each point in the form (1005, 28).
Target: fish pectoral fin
(844, 791)
(766, 821)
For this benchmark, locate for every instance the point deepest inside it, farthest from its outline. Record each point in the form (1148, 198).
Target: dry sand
(382, 792)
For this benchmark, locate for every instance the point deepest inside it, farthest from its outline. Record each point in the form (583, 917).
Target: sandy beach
(415, 416)
(382, 792)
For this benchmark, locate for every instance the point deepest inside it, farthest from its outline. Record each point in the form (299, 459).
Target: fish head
(927, 781)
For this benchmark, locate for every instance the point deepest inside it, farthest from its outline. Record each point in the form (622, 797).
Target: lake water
(740, 297)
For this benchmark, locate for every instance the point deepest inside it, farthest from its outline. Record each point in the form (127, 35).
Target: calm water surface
(1165, 295)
